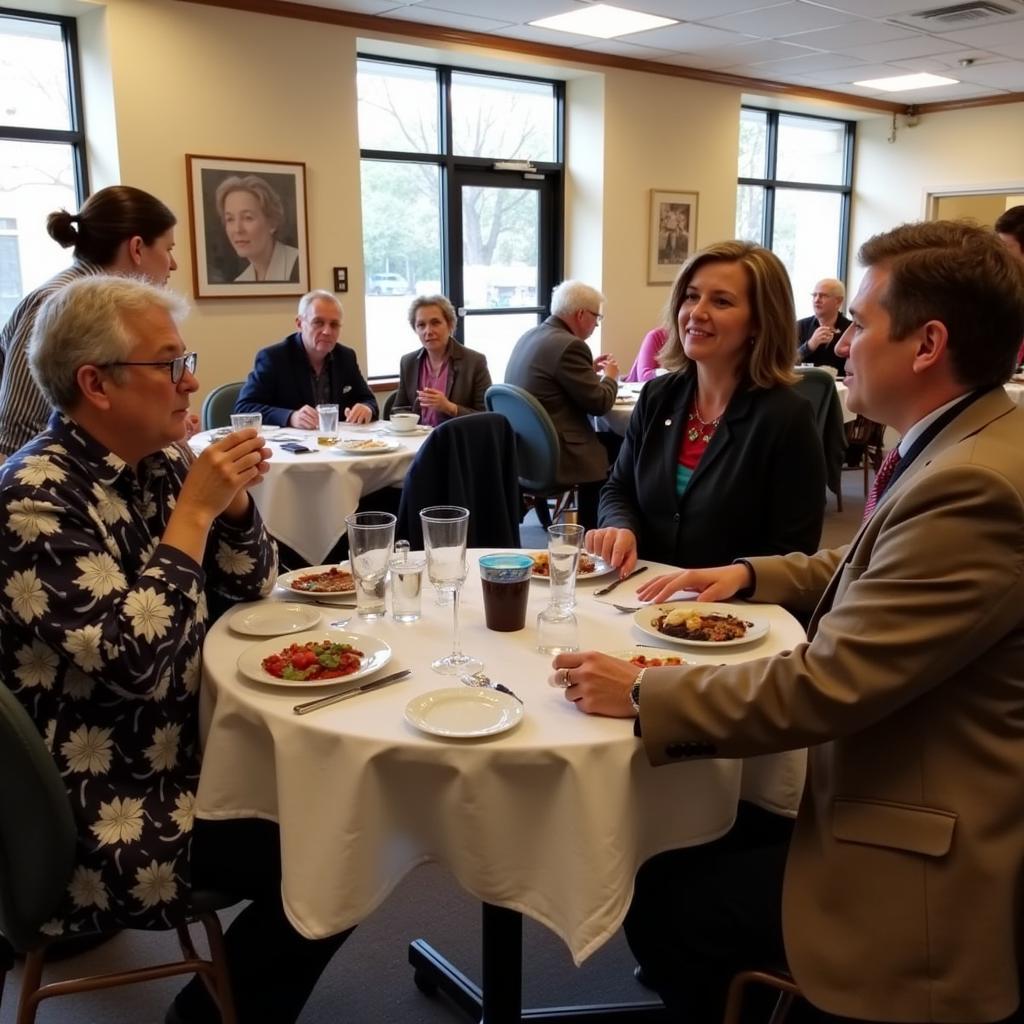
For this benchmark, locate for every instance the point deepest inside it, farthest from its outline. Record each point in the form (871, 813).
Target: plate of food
(650, 658)
(324, 581)
(701, 624)
(274, 618)
(457, 713)
(323, 657)
(588, 568)
(367, 445)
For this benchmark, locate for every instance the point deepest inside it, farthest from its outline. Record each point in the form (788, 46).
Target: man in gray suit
(554, 363)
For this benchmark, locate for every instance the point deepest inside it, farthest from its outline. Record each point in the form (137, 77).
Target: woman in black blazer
(442, 379)
(721, 458)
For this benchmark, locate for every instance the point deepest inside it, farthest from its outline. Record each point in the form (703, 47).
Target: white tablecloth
(551, 819)
(304, 499)
(1015, 390)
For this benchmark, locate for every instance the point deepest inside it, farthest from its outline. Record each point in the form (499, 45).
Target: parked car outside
(387, 284)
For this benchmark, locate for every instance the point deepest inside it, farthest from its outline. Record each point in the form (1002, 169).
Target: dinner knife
(322, 702)
(611, 586)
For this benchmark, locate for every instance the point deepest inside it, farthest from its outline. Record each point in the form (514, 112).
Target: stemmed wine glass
(444, 539)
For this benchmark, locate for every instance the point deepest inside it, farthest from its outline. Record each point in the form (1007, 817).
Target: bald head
(827, 300)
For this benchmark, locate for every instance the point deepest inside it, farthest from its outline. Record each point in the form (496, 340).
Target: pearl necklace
(699, 428)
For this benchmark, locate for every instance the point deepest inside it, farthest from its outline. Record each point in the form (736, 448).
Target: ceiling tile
(989, 35)
(781, 20)
(625, 49)
(857, 33)
(836, 76)
(807, 63)
(1004, 75)
(901, 49)
(450, 19)
(879, 8)
(687, 37)
(525, 10)
(695, 10)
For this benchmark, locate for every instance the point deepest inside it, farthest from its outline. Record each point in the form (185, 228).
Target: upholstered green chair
(219, 404)
(37, 856)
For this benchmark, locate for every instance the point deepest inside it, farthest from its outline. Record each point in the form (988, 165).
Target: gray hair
(570, 296)
(442, 303)
(309, 298)
(837, 286)
(86, 324)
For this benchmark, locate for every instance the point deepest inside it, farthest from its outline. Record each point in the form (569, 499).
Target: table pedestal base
(500, 1000)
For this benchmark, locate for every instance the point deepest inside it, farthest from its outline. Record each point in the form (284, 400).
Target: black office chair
(819, 388)
(219, 404)
(537, 449)
(389, 404)
(468, 461)
(37, 857)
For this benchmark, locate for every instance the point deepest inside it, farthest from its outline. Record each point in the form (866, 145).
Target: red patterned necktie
(882, 478)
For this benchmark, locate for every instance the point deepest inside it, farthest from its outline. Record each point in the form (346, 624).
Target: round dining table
(305, 497)
(550, 819)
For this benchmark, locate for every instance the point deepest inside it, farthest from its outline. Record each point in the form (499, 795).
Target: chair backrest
(819, 388)
(468, 461)
(389, 404)
(536, 437)
(218, 405)
(37, 830)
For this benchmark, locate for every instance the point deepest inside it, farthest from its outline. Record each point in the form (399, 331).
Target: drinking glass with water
(370, 539)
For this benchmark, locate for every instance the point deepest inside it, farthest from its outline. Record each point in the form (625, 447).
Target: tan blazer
(557, 368)
(902, 898)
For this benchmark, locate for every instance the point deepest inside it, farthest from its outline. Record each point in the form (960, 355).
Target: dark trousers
(703, 913)
(273, 968)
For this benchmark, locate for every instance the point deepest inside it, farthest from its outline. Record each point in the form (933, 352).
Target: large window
(795, 183)
(41, 144)
(461, 194)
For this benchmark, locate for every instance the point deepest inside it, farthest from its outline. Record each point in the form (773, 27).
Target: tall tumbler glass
(445, 528)
(565, 542)
(371, 536)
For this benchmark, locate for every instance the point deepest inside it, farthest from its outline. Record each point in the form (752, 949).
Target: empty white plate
(274, 618)
(460, 712)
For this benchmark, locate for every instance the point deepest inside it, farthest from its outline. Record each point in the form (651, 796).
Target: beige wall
(193, 79)
(981, 208)
(956, 151)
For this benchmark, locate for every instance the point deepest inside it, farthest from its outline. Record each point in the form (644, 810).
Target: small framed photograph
(248, 225)
(673, 234)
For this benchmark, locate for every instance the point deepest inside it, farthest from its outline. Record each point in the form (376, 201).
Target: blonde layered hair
(773, 331)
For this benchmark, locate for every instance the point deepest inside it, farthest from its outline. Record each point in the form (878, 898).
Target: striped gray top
(24, 411)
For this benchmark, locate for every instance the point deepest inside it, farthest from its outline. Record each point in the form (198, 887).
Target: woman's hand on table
(304, 418)
(358, 413)
(431, 398)
(596, 683)
(616, 545)
(718, 584)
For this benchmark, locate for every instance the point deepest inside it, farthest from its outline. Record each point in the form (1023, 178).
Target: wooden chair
(37, 857)
(871, 436)
(787, 988)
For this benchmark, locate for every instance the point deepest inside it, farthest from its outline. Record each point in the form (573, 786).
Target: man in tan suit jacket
(553, 362)
(902, 897)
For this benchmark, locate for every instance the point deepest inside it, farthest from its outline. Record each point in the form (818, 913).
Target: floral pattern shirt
(101, 634)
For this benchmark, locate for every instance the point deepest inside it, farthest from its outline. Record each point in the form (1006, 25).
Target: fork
(481, 679)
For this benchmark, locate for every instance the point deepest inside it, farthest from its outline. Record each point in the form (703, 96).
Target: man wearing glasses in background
(554, 363)
(817, 335)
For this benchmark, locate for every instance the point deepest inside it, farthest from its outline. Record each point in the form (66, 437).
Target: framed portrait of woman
(247, 220)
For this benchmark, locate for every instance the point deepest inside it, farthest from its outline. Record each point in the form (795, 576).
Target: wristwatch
(634, 691)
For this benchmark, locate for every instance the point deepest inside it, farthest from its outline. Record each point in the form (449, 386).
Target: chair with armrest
(819, 388)
(37, 857)
(780, 980)
(537, 448)
(468, 461)
(219, 404)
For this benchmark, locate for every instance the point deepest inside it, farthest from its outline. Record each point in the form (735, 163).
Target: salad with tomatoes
(313, 661)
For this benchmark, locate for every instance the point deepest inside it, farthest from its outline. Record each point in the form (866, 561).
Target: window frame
(454, 171)
(75, 135)
(770, 183)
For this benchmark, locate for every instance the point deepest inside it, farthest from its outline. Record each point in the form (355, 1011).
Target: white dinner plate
(601, 568)
(647, 652)
(286, 580)
(274, 618)
(644, 618)
(463, 713)
(367, 445)
(418, 431)
(376, 654)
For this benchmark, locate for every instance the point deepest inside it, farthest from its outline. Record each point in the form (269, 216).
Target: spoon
(480, 679)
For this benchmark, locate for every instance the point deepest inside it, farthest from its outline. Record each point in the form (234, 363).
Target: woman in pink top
(646, 365)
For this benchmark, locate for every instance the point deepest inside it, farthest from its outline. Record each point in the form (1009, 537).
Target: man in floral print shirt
(112, 534)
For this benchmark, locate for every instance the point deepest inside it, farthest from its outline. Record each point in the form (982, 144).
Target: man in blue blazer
(307, 369)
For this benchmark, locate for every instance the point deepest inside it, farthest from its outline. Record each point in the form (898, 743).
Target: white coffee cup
(403, 422)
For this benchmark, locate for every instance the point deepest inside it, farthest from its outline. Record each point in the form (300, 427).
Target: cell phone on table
(295, 448)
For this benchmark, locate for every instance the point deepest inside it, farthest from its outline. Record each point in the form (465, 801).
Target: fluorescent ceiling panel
(905, 83)
(603, 21)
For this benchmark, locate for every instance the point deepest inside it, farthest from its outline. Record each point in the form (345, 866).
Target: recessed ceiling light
(603, 21)
(900, 83)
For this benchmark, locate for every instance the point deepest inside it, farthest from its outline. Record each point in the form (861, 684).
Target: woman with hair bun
(119, 230)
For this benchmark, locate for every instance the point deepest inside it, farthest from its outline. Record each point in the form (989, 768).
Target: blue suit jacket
(282, 381)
